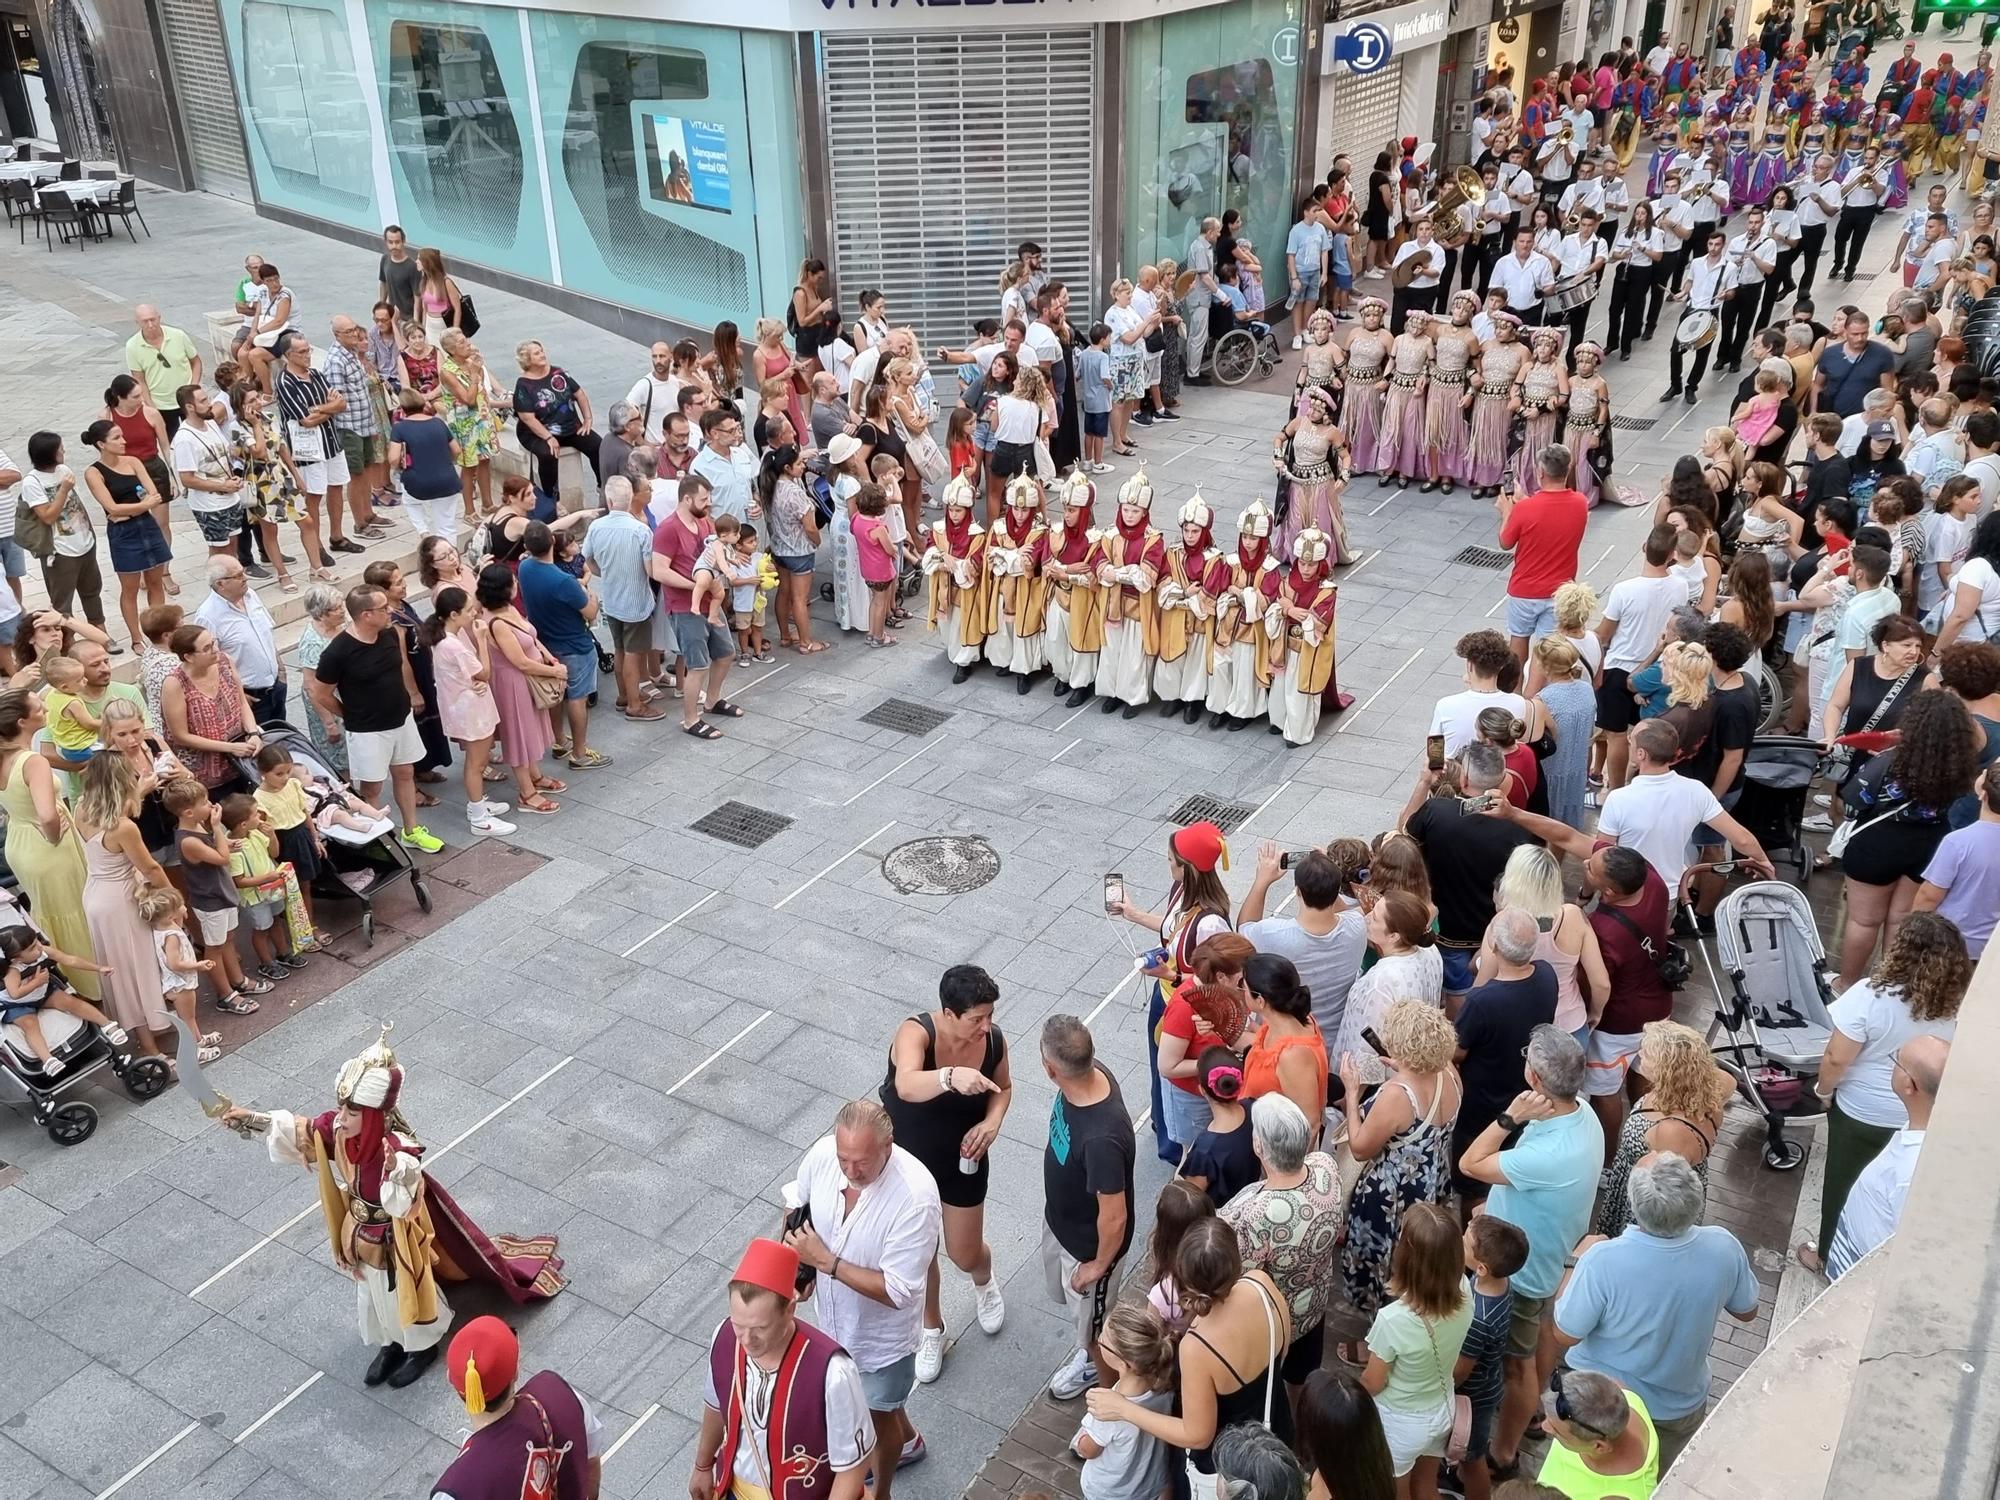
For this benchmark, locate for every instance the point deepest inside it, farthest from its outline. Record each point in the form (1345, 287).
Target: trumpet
(1568, 133)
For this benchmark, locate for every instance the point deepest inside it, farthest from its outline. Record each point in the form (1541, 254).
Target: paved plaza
(631, 1038)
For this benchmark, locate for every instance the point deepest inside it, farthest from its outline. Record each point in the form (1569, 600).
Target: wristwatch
(1506, 1122)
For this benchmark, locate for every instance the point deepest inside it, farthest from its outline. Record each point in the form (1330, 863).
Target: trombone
(1463, 187)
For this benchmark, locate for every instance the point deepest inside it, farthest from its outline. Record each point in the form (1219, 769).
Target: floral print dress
(474, 427)
(271, 494)
(1414, 1167)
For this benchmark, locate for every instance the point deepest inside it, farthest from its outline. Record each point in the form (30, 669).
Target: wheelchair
(1245, 351)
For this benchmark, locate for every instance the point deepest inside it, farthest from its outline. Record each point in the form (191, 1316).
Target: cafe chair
(124, 208)
(62, 215)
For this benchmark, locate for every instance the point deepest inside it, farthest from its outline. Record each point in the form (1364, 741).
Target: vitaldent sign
(930, 15)
(1406, 26)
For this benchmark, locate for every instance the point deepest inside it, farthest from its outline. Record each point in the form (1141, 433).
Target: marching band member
(1399, 450)
(1066, 555)
(1617, 204)
(1500, 364)
(1130, 559)
(1524, 276)
(1580, 255)
(1710, 193)
(1555, 160)
(1419, 292)
(1454, 347)
(1710, 280)
(1490, 241)
(1819, 209)
(1639, 252)
(1187, 613)
(1753, 256)
(1540, 391)
(1244, 586)
(1588, 432)
(1301, 628)
(1361, 411)
(1586, 192)
(1320, 358)
(1860, 202)
(1017, 596)
(1781, 222)
(1311, 459)
(955, 563)
(1518, 183)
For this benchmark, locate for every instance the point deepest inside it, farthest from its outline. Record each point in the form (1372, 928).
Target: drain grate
(1634, 424)
(948, 866)
(1484, 557)
(904, 716)
(1228, 816)
(741, 824)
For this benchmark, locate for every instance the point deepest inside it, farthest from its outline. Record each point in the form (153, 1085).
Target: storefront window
(306, 113)
(452, 138)
(1210, 119)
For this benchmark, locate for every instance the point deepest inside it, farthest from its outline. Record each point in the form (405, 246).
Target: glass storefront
(1211, 106)
(621, 159)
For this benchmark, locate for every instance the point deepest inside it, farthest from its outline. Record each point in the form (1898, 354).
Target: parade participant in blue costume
(1901, 78)
(1680, 74)
(1623, 132)
(1811, 147)
(1749, 59)
(1890, 141)
(1972, 82)
(1666, 146)
(1742, 155)
(1851, 72)
(1949, 79)
(1691, 111)
(1768, 168)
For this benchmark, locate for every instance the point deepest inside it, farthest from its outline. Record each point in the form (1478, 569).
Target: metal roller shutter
(207, 97)
(1365, 116)
(945, 152)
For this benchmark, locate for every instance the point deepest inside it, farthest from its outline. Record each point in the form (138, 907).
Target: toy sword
(187, 1056)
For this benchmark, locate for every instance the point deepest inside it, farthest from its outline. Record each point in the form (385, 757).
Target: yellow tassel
(475, 1393)
(1225, 853)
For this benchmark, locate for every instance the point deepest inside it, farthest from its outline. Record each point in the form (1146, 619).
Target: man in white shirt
(1456, 716)
(1910, 242)
(1753, 255)
(1421, 290)
(1928, 258)
(1556, 160)
(1489, 230)
(1586, 192)
(1518, 183)
(725, 461)
(1482, 131)
(1580, 254)
(901, 343)
(1710, 280)
(1877, 406)
(1819, 207)
(1659, 57)
(1982, 447)
(875, 1227)
(1710, 197)
(1860, 201)
(1935, 453)
(1617, 200)
(1674, 217)
(1635, 613)
(653, 393)
(1523, 276)
(1875, 1202)
(1659, 812)
(242, 627)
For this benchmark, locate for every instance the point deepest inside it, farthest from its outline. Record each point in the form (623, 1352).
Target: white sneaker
(495, 827)
(1822, 799)
(1076, 1376)
(930, 1355)
(495, 809)
(1817, 823)
(1298, 341)
(992, 1306)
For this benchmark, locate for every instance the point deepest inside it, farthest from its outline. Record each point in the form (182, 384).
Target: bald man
(162, 359)
(1875, 1202)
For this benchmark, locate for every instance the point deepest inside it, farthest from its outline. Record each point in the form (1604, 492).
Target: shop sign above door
(1365, 43)
(912, 15)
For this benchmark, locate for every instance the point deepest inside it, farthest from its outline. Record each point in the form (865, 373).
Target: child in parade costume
(1399, 451)
(1066, 555)
(1367, 358)
(1130, 558)
(1768, 169)
(1540, 392)
(1310, 457)
(1187, 613)
(1244, 586)
(1320, 360)
(1448, 397)
(1812, 145)
(1588, 418)
(1017, 595)
(954, 561)
(1500, 362)
(1896, 190)
(1302, 632)
(1690, 112)
(1741, 153)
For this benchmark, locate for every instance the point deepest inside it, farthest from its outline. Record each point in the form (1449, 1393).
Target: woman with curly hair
(1686, 672)
(1900, 802)
(1914, 992)
(1681, 1111)
(1686, 487)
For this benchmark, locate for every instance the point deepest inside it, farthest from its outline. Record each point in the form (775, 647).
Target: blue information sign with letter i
(1365, 49)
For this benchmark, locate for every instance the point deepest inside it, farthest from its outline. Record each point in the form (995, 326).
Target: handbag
(1844, 834)
(1209, 1486)
(308, 444)
(468, 318)
(1675, 967)
(931, 464)
(547, 691)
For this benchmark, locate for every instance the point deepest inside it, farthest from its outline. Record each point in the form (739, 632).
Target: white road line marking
(630, 1432)
(1098, 1009)
(1347, 719)
(888, 773)
(1264, 804)
(1494, 609)
(764, 677)
(1348, 576)
(1072, 718)
(1183, 453)
(146, 1462)
(1384, 505)
(1064, 751)
(669, 923)
(1145, 1119)
(305, 1213)
(836, 864)
(697, 1069)
(313, 1380)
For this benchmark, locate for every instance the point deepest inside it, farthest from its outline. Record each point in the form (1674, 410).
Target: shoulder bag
(1672, 960)
(1840, 759)
(1208, 1486)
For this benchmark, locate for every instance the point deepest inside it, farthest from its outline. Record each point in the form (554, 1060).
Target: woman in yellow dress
(43, 850)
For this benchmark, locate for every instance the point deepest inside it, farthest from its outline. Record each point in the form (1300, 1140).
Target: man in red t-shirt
(703, 645)
(1631, 920)
(1544, 532)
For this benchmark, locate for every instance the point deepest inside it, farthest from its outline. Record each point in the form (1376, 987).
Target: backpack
(35, 535)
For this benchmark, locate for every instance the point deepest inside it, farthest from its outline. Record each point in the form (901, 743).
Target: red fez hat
(483, 1358)
(1202, 845)
(771, 1266)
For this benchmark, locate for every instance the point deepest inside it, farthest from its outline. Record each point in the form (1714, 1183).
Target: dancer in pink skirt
(1399, 450)
(1454, 349)
(1367, 359)
(1500, 364)
(1540, 393)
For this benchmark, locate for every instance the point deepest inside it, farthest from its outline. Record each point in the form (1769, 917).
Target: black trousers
(1700, 365)
(1812, 240)
(1449, 279)
(1673, 270)
(1630, 290)
(1406, 299)
(544, 452)
(1779, 284)
(1484, 261)
(1575, 320)
(1739, 317)
(1850, 235)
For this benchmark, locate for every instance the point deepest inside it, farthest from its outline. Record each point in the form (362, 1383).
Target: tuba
(1461, 188)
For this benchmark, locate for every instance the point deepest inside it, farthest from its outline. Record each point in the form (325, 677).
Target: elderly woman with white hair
(1289, 1225)
(1642, 1308)
(1254, 1463)
(326, 613)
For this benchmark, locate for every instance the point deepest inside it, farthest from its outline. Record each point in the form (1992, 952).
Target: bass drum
(1696, 331)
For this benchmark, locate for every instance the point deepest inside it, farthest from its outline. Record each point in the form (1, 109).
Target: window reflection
(304, 102)
(452, 134)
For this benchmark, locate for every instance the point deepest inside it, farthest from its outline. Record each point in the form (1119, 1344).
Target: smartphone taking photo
(1114, 892)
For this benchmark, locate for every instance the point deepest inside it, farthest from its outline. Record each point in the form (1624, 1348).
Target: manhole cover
(740, 824)
(1483, 557)
(941, 866)
(1634, 424)
(905, 716)
(1228, 816)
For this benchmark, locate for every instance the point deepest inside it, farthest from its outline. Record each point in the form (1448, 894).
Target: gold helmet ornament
(1310, 546)
(1197, 512)
(958, 493)
(372, 1080)
(1255, 520)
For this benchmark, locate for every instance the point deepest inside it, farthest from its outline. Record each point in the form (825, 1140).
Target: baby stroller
(1774, 1012)
(1777, 774)
(354, 869)
(82, 1050)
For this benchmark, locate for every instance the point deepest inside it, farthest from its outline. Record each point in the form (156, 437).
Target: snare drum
(1568, 296)
(1697, 329)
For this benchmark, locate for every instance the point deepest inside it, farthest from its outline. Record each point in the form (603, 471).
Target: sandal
(425, 799)
(211, 1039)
(235, 1004)
(206, 1054)
(550, 784)
(288, 585)
(325, 575)
(537, 803)
(173, 588)
(702, 731)
(813, 650)
(560, 749)
(494, 774)
(725, 709)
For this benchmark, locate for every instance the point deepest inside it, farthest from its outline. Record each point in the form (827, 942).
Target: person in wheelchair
(33, 981)
(1230, 310)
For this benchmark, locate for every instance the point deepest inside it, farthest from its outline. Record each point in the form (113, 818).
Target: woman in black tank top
(947, 1089)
